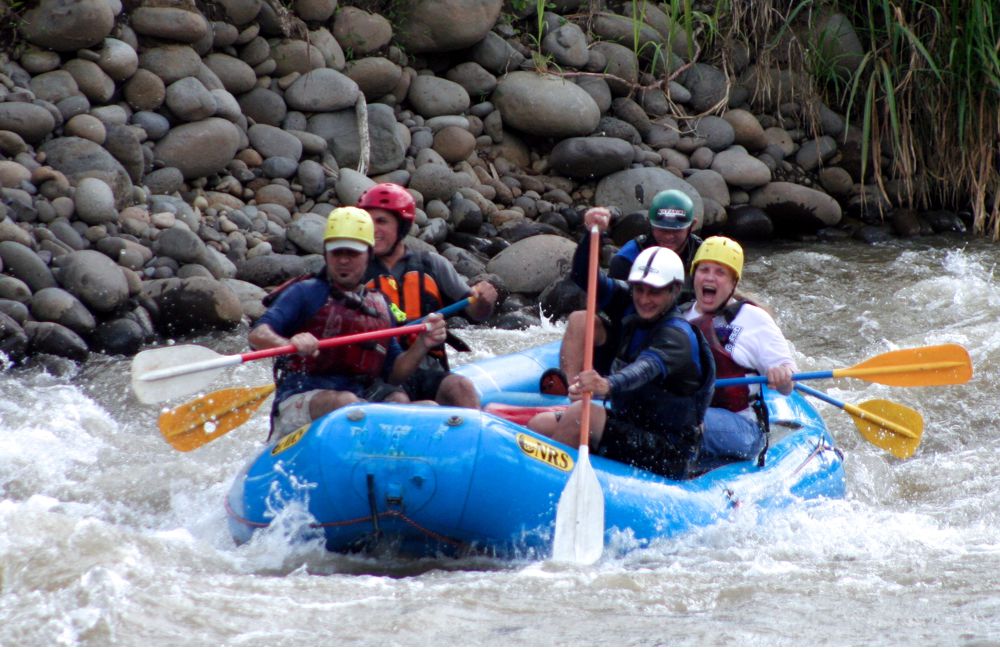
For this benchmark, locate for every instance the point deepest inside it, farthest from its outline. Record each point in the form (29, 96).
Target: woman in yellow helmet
(333, 303)
(745, 340)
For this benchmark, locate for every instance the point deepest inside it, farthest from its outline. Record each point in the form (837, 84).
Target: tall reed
(926, 92)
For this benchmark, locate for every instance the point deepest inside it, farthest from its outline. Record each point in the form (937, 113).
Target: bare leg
(456, 390)
(571, 351)
(567, 428)
(326, 401)
(398, 397)
(544, 423)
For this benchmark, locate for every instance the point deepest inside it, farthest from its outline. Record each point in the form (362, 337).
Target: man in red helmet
(419, 283)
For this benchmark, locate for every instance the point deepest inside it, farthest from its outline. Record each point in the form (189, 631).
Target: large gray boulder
(21, 263)
(445, 25)
(195, 304)
(321, 90)
(632, 190)
(740, 169)
(531, 264)
(95, 279)
(79, 158)
(797, 207)
(29, 121)
(181, 23)
(68, 25)
(306, 232)
(433, 96)
(360, 31)
(60, 306)
(591, 157)
(272, 270)
(55, 339)
(199, 148)
(545, 105)
(708, 85)
(376, 76)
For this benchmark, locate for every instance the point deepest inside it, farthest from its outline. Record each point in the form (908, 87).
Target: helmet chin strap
(397, 246)
(402, 230)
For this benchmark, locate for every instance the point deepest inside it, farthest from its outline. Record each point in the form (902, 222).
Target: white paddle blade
(163, 374)
(579, 535)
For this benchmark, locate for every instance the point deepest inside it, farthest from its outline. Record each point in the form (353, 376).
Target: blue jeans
(728, 437)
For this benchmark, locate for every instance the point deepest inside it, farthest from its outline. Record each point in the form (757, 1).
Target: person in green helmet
(671, 218)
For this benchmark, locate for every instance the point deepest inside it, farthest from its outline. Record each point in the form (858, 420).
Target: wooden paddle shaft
(588, 337)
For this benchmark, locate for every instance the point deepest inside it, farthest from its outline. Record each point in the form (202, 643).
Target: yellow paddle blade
(932, 365)
(202, 420)
(891, 426)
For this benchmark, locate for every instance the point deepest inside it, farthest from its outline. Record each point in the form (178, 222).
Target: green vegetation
(10, 18)
(924, 92)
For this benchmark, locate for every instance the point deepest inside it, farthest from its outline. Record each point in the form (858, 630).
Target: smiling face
(345, 268)
(386, 231)
(714, 285)
(672, 239)
(651, 302)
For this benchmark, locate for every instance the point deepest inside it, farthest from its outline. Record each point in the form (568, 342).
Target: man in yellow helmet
(745, 340)
(335, 303)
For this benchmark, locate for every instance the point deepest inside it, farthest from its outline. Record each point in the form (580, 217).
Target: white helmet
(658, 267)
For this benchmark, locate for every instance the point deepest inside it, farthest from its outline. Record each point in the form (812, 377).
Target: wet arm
(637, 374)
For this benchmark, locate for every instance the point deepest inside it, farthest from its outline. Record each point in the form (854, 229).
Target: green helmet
(671, 210)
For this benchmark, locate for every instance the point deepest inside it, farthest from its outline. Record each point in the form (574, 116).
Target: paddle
(211, 416)
(579, 534)
(891, 426)
(933, 365)
(201, 421)
(161, 374)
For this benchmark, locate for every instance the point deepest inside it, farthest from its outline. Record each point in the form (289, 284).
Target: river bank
(161, 167)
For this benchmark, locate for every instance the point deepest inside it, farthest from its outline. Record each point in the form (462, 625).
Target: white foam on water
(108, 536)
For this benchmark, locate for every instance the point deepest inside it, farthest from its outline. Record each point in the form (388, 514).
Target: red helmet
(391, 197)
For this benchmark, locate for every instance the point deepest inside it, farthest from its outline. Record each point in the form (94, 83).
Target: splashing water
(110, 537)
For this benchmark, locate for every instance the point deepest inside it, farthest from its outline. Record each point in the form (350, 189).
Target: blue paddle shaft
(823, 396)
(761, 379)
(447, 311)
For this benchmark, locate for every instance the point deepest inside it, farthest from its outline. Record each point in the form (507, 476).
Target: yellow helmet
(721, 250)
(350, 228)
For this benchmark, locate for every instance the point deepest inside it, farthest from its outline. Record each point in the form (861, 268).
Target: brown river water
(109, 537)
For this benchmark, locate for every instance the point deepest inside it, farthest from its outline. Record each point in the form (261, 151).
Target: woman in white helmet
(744, 340)
(661, 378)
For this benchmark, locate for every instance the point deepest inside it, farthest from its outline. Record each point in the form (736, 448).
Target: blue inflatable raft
(422, 480)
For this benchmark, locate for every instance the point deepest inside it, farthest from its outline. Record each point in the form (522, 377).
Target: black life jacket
(666, 407)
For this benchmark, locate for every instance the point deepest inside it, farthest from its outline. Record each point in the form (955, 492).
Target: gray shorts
(293, 412)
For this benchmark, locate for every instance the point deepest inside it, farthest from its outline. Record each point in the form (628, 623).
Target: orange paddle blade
(891, 426)
(202, 420)
(932, 365)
